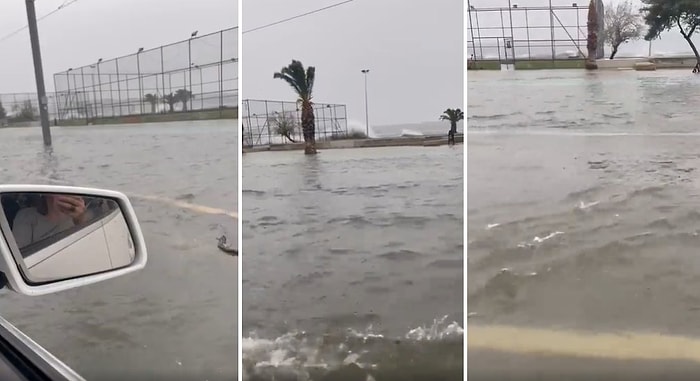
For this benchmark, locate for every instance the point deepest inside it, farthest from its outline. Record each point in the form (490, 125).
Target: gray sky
(670, 43)
(89, 29)
(414, 50)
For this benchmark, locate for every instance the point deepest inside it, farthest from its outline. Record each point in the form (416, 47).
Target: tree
(152, 99)
(3, 113)
(170, 100)
(24, 112)
(663, 15)
(285, 126)
(184, 96)
(592, 44)
(622, 24)
(303, 83)
(454, 116)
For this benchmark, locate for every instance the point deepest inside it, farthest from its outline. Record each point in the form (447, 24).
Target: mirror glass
(57, 236)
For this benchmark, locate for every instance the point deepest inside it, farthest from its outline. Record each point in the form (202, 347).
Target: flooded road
(583, 219)
(177, 318)
(353, 256)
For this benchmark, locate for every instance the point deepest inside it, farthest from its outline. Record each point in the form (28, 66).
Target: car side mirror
(55, 238)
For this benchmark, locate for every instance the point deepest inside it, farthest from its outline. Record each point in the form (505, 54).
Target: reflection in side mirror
(59, 236)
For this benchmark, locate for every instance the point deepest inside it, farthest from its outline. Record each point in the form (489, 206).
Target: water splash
(549, 236)
(302, 356)
(439, 330)
(583, 206)
(355, 125)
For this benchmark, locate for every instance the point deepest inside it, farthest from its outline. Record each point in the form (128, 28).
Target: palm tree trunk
(308, 128)
(592, 36)
(453, 126)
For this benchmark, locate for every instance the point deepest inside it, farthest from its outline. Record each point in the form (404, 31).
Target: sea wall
(605, 64)
(413, 141)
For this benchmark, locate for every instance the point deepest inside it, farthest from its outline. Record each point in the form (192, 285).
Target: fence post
(138, 78)
(221, 72)
(85, 96)
(551, 30)
(111, 95)
(162, 71)
(99, 81)
(119, 87)
(267, 117)
(55, 98)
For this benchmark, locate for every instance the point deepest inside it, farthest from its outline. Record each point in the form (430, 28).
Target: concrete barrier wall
(622, 63)
(674, 63)
(227, 113)
(419, 141)
(21, 124)
(661, 63)
(605, 64)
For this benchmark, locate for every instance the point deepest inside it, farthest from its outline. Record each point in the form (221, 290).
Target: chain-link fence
(278, 122)
(195, 75)
(23, 108)
(508, 30)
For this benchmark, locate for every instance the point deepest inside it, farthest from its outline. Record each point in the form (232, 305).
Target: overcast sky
(413, 49)
(90, 29)
(670, 42)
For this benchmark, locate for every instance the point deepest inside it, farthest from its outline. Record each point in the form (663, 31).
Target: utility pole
(365, 71)
(39, 73)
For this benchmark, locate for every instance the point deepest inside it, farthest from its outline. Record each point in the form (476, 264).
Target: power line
(298, 16)
(65, 4)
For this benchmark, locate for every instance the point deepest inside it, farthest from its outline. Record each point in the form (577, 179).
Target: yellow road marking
(186, 205)
(177, 203)
(622, 346)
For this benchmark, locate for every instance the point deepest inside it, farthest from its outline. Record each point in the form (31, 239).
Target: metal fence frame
(13, 103)
(503, 36)
(205, 66)
(260, 115)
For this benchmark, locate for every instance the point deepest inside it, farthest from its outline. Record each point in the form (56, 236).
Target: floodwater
(177, 318)
(583, 221)
(353, 259)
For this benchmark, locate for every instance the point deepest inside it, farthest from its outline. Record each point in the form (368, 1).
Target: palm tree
(303, 83)
(184, 96)
(170, 100)
(152, 99)
(454, 116)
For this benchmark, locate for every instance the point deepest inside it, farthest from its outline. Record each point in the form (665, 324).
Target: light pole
(39, 73)
(138, 74)
(189, 55)
(365, 71)
(99, 81)
(201, 86)
(69, 101)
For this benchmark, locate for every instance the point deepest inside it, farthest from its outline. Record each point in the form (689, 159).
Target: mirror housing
(99, 241)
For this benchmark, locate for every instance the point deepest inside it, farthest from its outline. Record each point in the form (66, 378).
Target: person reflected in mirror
(50, 215)
(10, 206)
